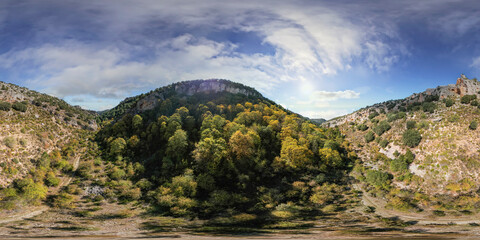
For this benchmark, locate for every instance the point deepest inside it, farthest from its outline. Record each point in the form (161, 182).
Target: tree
(293, 155)
(117, 146)
(331, 157)
(411, 138)
(137, 122)
(177, 145)
(208, 154)
(241, 145)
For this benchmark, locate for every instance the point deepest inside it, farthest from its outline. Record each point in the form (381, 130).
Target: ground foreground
(112, 221)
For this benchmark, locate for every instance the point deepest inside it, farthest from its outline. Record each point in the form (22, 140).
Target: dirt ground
(114, 221)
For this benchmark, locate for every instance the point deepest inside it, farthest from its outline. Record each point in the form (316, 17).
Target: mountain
(318, 120)
(211, 148)
(421, 152)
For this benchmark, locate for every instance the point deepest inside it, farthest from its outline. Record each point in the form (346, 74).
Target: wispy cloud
(111, 49)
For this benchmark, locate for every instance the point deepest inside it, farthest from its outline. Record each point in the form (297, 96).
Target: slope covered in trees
(222, 149)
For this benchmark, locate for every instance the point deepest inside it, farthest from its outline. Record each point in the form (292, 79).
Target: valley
(215, 159)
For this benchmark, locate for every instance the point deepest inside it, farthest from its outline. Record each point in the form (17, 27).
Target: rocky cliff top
(463, 86)
(149, 101)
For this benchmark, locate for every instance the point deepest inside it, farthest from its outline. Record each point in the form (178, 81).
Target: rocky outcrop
(212, 86)
(463, 86)
(190, 88)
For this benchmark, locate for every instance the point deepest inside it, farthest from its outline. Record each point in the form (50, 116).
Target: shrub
(382, 127)
(383, 143)
(51, 180)
(370, 136)
(378, 178)
(63, 200)
(453, 118)
(429, 107)
(362, 127)
(468, 98)
(117, 174)
(411, 138)
(5, 106)
(448, 102)
(411, 124)
(431, 98)
(9, 142)
(473, 125)
(399, 165)
(373, 115)
(20, 106)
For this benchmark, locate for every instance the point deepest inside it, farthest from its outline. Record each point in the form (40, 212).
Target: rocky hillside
(421, 151)
(33, 123)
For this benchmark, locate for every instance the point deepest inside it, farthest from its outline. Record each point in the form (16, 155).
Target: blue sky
(317, 58)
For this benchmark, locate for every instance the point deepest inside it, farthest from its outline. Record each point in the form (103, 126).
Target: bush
(448, 102)
(473, 125)
(117, 174)
(20, 106)
(51, 180)
(362, 127)
(429, 107)
(383, 143)
(373, 115)
(5, 106)
(399, 165)
(412, 138)
(468, 98)
(63, 200)
(9, 142)
(411, 124)
(431, 98)
(378, 179)
(382, 127)
(370, 136)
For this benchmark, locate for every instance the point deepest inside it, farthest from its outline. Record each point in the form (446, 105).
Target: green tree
(293, 155)
(177, 145)
(117, 146)
(137, 122)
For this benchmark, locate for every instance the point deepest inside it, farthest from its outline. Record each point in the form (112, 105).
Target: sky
(321, 59)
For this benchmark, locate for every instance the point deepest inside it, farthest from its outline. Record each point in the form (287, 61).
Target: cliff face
(190, 88)
(464, 86)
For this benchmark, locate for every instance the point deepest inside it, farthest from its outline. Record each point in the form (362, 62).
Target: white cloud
(325, 114)
(309, 40)
(475, 63)
(331, 96)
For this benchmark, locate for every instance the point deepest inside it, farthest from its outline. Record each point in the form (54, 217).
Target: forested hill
(170, 97)
(214, 147)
